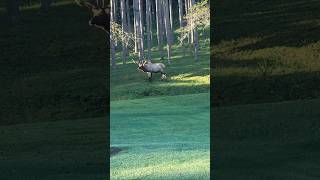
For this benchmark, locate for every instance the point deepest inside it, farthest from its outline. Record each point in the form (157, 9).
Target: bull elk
(100, 14)
(150, 68)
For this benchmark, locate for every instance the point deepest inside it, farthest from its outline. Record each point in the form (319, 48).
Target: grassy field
(266, 99)
(161, 140)
(52, 113)
(162, 126)
(54, 150)
(267, 141)
(267, 51)
(53, 73)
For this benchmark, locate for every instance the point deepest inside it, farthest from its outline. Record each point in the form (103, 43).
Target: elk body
(151, 68)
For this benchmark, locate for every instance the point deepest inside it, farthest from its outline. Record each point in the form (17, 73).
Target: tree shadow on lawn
(236, 89)
(283, 23)
(115, 150)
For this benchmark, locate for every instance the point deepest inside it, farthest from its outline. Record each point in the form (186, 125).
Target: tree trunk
(148, 21)
(138, 29)
(124, 29)
(13, 10)
(195, 39)
(113, 58)
(141, 50)
(128, 16)
(180, 12)
(159, 27)
(135, 26)
(168, 29)
(170, 12)
(186, 4)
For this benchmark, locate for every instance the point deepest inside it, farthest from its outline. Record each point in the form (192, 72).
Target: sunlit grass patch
(188, 77)
(161, 140)
(162, 165)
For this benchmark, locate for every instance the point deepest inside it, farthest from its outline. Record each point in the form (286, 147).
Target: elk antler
(135, 62)
(85, 4)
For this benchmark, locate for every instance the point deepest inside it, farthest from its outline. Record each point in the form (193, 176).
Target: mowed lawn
(162, 127)
(162, 138)
(266, 99)
(267, 141)
(72, 150)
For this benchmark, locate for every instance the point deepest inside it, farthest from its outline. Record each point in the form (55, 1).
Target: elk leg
(150, 76)
(163, 75)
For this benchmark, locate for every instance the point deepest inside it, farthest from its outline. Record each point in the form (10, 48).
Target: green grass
(54, 150)
(267, 141)
(51, 71)
(52, 113)
(53, 76)
(161, 140)
(266, 98)
(163, 126)
(184, 76)
(267, 51)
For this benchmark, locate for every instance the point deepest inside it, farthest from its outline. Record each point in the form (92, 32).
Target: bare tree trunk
(186, 3)
(128, 16)
(181, 23)
(180, 12)
(159, 27)
(124, 29)
(168, 29)
(114, 13)
(113, 58)
(138, 28)
(13, 10)
(195, 38)
(135, 9)
(170, 12)
(148, 21)
(141, 51)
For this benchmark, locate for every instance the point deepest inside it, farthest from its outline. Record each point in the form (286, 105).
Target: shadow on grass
(231, 90)
(53, 66)
(286, 23)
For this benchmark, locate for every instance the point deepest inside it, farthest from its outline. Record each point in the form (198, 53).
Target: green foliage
(118, 35)
(198, 18)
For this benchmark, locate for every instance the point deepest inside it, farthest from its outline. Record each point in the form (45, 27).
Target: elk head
(100, 15)
(141, 65)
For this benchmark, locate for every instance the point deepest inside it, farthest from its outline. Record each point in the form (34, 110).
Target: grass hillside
(266, 98)
(54, 150)
(267, 141)
(52, 113)
(267, 51)
(53, 66)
